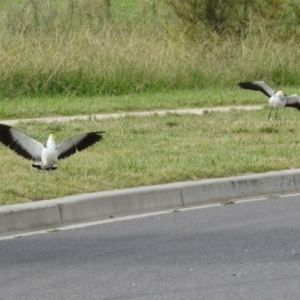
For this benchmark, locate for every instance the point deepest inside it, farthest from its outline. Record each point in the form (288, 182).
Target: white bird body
(49, 155)
(45, 156)
(276, 99)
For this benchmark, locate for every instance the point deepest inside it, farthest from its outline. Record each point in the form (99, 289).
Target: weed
(172, 123)
(53, 230)
(269, 129)
(273, 196)
(229, 201)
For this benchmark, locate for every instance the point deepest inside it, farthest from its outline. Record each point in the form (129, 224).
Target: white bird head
(51, 141)
(280, 92)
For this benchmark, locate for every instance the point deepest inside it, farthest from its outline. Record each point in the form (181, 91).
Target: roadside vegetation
(88, 48)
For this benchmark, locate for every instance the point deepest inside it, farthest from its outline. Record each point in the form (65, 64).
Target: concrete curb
(102, 205)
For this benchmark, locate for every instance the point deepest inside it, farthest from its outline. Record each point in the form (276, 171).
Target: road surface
(248, 250)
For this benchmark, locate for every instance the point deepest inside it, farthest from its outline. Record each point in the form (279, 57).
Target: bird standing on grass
(45, 156)
(276, 99)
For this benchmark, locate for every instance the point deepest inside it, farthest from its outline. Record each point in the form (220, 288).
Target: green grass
(66, 106)
(154, 150)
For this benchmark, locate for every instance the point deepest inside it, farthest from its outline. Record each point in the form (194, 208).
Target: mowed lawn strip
(138, 151)
(67, 106)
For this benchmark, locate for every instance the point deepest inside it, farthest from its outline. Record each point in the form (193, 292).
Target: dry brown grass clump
(84, 54)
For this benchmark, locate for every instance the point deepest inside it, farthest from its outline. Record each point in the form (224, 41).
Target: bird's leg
(276, 113)
(270, 112)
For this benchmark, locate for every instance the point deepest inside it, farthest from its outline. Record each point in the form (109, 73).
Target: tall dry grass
(76, 51)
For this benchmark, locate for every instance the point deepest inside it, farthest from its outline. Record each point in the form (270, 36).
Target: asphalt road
(248, 250)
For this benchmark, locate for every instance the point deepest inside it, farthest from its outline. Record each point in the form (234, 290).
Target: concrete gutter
(102, 205)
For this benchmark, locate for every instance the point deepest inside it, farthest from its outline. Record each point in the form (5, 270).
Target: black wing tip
(98, 134)
(294, 105)
(4, 126)
(6, 137)
(93, 137)
(256, 85)
(246, 84)
(89, 139)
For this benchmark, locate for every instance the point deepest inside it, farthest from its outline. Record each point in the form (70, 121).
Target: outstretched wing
(293, 101)
(78, 143)
(20, 142)
(257, 86)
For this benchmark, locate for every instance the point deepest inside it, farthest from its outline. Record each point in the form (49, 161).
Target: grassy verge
(154, 150)
(66, 106)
